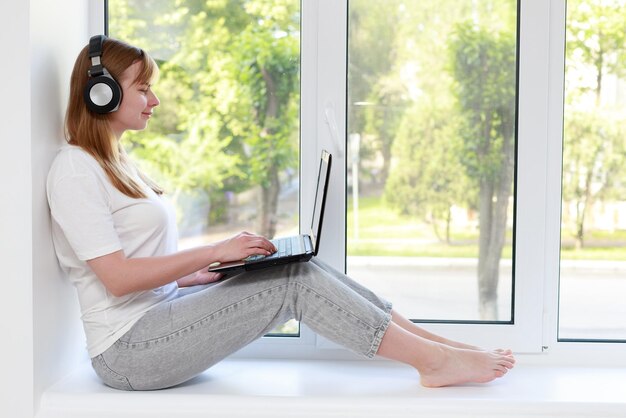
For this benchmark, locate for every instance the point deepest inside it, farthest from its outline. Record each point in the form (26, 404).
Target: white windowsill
(312, 388)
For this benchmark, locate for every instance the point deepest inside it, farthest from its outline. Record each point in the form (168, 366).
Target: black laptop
(294, 248)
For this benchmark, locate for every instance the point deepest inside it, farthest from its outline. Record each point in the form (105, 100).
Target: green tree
(397, 58)
(229, 90)
(483, 65)
(376, 96)
(596, 32)
(267, 56)
(183, 149)
(389, 100)
(427, 178)
(593, 162)
(593, 148)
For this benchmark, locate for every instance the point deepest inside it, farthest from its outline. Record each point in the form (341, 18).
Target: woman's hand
(199, 277)
(241, 246)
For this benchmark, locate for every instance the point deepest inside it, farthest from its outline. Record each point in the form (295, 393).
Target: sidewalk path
(592, 293)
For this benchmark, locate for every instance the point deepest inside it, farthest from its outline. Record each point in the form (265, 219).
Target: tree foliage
(593, 149)
(484, 68)
(428, 179)
(376, 95)
(455, 144)
(593, 163)
(433, 100)
(229, 92)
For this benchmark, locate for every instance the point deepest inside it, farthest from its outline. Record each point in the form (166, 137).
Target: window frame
(595, 352)
(524, 334)
(538, 199)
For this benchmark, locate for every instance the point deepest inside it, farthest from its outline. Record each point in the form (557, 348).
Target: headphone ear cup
(102, 94)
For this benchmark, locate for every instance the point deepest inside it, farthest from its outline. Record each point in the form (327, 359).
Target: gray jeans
(178, 340)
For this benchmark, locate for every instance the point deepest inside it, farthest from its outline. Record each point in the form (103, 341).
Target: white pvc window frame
(329, 130)
(540, 120)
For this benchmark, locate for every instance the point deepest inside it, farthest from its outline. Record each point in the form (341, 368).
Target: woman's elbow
(115, 287)
(118, 293)
(111, 270)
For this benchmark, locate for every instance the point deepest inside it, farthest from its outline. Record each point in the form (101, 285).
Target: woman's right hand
(243, 245)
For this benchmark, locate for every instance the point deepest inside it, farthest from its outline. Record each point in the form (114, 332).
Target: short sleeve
(80, 206)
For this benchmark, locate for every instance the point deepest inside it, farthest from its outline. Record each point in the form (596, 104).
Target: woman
(153, 316)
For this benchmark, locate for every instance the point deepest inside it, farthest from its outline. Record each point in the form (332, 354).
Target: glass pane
(593, 227)
(224, 143)
(431, 159)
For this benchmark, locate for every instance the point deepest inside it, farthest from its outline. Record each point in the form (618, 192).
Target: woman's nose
(154, 100)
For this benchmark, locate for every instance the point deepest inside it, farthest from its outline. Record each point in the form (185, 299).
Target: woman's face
(138, 102)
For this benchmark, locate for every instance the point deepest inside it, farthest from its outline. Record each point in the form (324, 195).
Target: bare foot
(457, 344)
(455, 366)
(464, 346)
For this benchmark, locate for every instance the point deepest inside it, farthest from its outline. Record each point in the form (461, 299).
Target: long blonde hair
(91, 131)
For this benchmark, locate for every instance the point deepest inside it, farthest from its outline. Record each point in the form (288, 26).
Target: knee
(302, 272)
(310, 275)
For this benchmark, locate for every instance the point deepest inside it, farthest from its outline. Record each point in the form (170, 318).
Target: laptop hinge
(308, 245)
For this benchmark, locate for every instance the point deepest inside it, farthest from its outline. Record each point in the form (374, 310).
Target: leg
(440, 364)
(354, 285)
(181, 338)
(419, 331)
(440, 361)
(396, 317)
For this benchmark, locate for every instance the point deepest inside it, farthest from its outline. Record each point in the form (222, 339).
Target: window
(357, 74)
(225, 144)
(593, 233)
(431, 155)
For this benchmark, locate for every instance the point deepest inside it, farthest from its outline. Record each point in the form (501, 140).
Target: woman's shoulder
(69, 151)
(72, 161)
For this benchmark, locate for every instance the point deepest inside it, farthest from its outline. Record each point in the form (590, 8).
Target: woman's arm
(122, 275)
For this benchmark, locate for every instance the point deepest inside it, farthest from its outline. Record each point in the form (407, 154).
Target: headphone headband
(95, 45)
(95, 52)
(102, 93)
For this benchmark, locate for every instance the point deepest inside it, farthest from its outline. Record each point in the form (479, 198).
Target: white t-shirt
(91, 218)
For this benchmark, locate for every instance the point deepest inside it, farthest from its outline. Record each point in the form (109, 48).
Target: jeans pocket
(108, 376)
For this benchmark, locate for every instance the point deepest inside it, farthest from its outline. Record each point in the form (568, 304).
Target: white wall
(15, 212)
(58, 32)
(39, 312)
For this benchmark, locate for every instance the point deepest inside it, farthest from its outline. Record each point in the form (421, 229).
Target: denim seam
(199, 322)
(339, 308)
(112, 373)
(165, 338)
(379, 330)
(378, 336)
(382, 329)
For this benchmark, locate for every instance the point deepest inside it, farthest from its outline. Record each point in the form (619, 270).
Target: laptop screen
(320, 199)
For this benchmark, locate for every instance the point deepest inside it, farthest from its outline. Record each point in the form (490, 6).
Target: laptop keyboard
(284, 247)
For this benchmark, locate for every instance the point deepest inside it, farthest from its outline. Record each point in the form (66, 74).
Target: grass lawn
(384, 232)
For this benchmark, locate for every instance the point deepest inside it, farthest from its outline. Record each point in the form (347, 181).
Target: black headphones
(102, 93)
